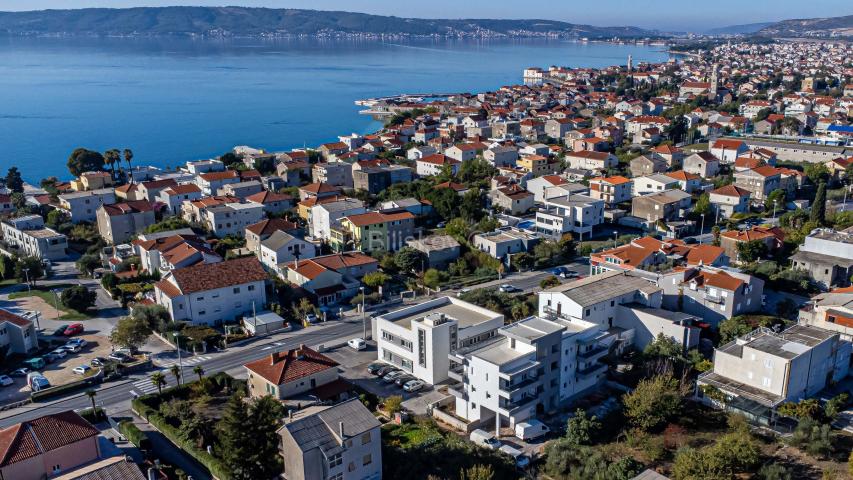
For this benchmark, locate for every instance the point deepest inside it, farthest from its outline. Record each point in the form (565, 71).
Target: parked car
(384, 369)
(463, 292)
(72, 348)
(82, 369)
(521, 461)
(311, 318)
(35, 363)
(78, 341)
(357, 343)
(74, 329)
(118, 357)
(37, 381)
(50, 357)
(403, 379)
(413, 385)
(485, 439)
(60, 331)
(21, 372)
(6, 380)
(531, 429)
(60, 352)
(374, 368)
(390, 377)
(507, 288)
(99, 361)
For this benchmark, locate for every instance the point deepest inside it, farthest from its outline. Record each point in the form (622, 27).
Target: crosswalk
(146, 386)
(186, 361)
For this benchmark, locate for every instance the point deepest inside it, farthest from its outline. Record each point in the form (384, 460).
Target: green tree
(408, 259)
(812, 437)
(776, 200)
(78, 298)
(818, 210)
(477, 472)
(471, 207)
(432, 278)
(14, 182)
(752, 251)
(703, 205)
(130, 332)
(732, 328)
(304, 308)
(167, 224)
(83, 160)
(176, 372)
(88, 263)
(155, 316)
(458, 229)
(159, 381)
(715, 232)
(92, 394)
(55, 218)
(375, 280)
(582, 428)
(248, 442)
(111, 157)
(28, 268)
(816, 172)
(653, 402)
(550, 281)
(199, 370)
(393, 404)
(773, 471)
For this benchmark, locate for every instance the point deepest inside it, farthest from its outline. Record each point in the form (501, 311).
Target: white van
(485, 439)
(521, 460)
(357, 343)
(531, 429)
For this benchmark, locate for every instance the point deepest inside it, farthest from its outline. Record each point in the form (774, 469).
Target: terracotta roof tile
(371, 218)
(7, 316)
(283, 367)
(209, 276)
(50, 432)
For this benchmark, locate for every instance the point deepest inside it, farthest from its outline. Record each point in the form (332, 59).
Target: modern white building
(323, 216)
(282, 247)
(232, 218)
(503, 244)
(29, 235)
(570, 214)
(759, 371)
(419, 338)
(213, 293)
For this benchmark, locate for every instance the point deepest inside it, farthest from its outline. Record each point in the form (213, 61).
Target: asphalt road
(110, 396)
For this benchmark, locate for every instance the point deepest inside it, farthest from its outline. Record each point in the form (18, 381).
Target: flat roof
(603, 287)
(466, 314)
(532, 328)
(498, 353)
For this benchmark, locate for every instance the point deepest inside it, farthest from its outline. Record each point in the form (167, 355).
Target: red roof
(44, 434)
(270, 225)
(729, 144)
(283, 367)
(210, 276)
(268, 197)
(132, 206)
(439, 159)
(213, 176)
(182, 189)
(372, 218)
(319, 188)
(731, 191)
(7, 316)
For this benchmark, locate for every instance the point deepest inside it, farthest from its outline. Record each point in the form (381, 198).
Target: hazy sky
(665, 14)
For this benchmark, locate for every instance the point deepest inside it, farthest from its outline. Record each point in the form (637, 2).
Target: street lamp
(363, 317)
(615, 238)
(56, 300)
(180, 361)
(27, 275)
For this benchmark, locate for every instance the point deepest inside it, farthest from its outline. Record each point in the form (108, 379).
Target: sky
(673, 15)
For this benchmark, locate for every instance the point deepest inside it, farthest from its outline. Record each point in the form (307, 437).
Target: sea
(171, 100)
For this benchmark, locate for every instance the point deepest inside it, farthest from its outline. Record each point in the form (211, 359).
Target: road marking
(266, 348)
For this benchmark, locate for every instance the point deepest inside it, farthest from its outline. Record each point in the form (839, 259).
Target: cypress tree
(818, 212)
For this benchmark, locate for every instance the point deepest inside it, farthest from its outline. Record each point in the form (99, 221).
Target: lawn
(45, 293)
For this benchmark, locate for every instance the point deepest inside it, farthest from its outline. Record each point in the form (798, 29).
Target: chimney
(341, 430)
(290, 415)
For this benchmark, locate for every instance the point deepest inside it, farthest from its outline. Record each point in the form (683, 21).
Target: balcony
(525, 401)
(590, 370)
(596, 350)
(514, 387)
(457, 390)
(713, 298)
(457, 373)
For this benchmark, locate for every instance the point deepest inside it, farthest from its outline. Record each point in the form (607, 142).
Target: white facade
(83, 206)
(232, 218)
(33, 239)
(282, 247)
(569, 214)
(323, 216)
(419, 338)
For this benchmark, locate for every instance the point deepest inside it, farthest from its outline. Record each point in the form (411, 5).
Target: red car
(73, 329)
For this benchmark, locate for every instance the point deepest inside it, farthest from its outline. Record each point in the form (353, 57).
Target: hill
(746, 29)
(256, 22)
(837, 27)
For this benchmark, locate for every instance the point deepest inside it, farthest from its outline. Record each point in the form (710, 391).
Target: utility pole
(702, 229)
(180, 361)
(27, 275)
(363, 316)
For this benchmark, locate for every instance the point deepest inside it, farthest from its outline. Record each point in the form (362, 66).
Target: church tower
(630, 63)
(715, 80)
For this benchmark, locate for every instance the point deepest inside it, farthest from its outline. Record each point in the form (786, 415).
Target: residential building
(213, 293)
(205, 166)
(591, 161)
(241, 190)
(728, 200)
(512, 199)
(338, 174)
(163, 253)
(435, 164)
(558, 128)
(92, 181)
(703, 164)
(611, 190)
(17, 334)
(287, 374)
(47, 446)
(175, 196)
(419, 338)
(376, 179)
(689, 182)
(727, 150)
(367, 232)
(32, 239)
(211, 182)
(439, 250)
(501, 156)
(653, 183)
(282, 247)
(541, 186)
(760, 181)
(341, 442)
(150, 191)
(773, 237)
(570, 214)
(465, 151)
(272, 202)
(324, 216)
(757, 372)
(118, 222)
(648, 165)
(667, 205)
(83, 206)
(318, 191)
(257, 232)
(231, 218)
(330, 278)
(827, 255)
(503, 244)
(831, 311)
(672, 155)
(713, 294)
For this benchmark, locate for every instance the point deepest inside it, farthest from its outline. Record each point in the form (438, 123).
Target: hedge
(216, 467)
(134, 434)
(93, 416)
(63, 389)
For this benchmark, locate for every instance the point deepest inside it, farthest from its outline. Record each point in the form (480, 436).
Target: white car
(6, 380)
(311, 318)
(72, 347)
(357, 343)
(77, 341)
(82, 369)
(507, 288)
(413, 386)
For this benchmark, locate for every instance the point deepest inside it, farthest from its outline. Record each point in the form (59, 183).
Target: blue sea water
(172, 99)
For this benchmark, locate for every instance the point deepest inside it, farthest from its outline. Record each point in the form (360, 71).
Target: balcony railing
(524, 401)
(591, 370)
(592, 352)
(514, 387)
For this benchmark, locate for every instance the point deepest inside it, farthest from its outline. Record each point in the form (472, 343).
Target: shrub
(134, 434)
(393, 404)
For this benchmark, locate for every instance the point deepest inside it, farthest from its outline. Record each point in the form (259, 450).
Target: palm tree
(158, 379)
(198, 370)
(176, 371)
(110, 158)
(128, 156)
(92, 394)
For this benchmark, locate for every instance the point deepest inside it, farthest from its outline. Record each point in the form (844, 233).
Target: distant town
(635, 272)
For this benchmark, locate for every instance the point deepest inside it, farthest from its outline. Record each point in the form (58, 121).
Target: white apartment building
(534, 366)
(17, 334)
(435, 164)
(213, 293)
(761, 370)
(503, 244)
(419, 338)
(83, 206)
(322, 217)
(570, 214)
(282, 247)
(611, 190)
(33, 239)
(232, 218)
(653, 183)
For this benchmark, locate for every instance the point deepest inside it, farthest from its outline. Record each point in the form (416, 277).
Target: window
(337, 476)
(335, 460)
(251, 288)
(236, 289)
(367, 460)
(365, 439)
